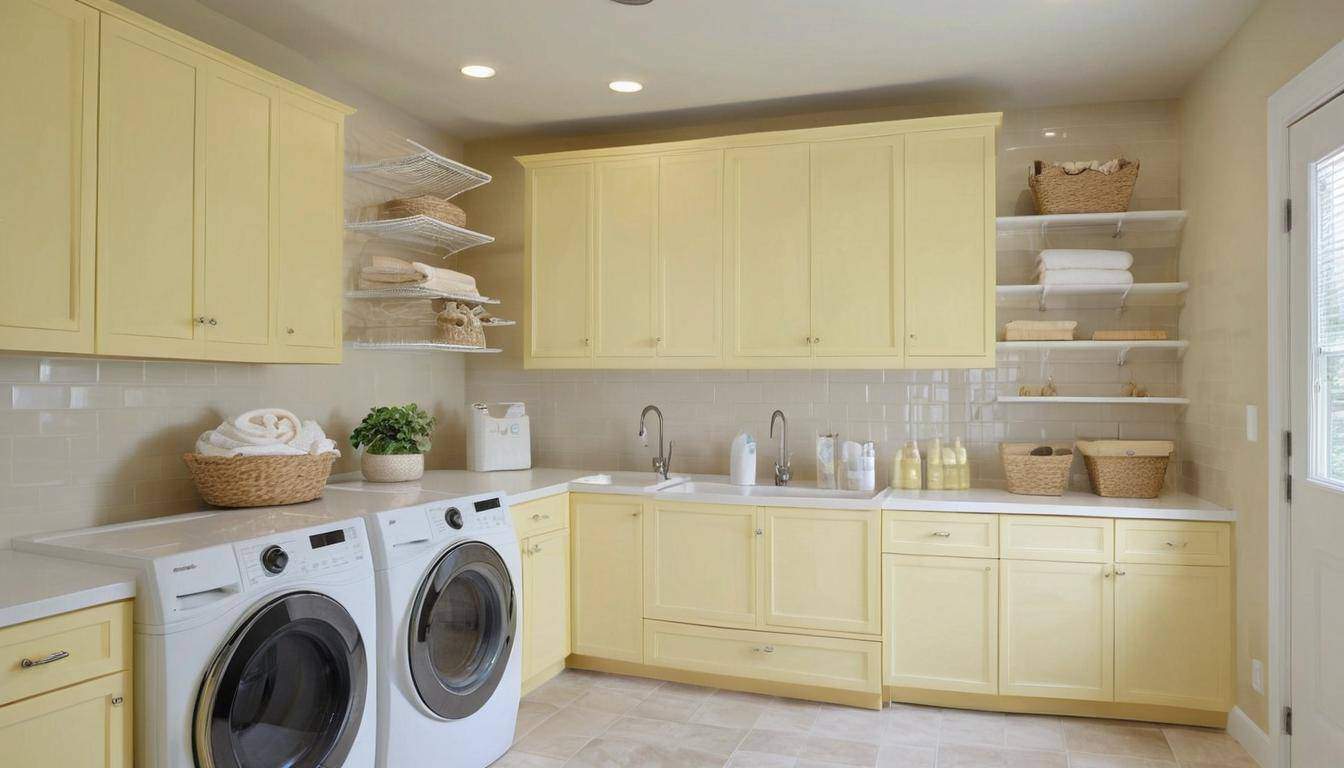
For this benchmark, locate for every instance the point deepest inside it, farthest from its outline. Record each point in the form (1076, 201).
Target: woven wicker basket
(1039, 330)
(1035, 475)
(424, 205)
(457, 325)
(1086, 192)
(1128, 469)
(259, 481)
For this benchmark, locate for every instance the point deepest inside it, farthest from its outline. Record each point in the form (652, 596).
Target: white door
(1316, 305)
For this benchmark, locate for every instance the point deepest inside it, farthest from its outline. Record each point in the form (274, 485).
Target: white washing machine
(449, 614)
(254, 632)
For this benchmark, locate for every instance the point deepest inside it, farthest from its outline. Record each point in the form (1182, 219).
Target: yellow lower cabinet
(822, 569)
(1056, 637)
(942, 623)
(1173, 635)
(1057, 538)
(82, 726)
(825, 662)
(89, 643)
(545, 602)
(607, 601)
(540, 515)
(701, 563)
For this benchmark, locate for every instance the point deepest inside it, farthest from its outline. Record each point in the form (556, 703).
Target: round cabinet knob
(200, 320)
(454, 518)
(289, 331)
(274, 559)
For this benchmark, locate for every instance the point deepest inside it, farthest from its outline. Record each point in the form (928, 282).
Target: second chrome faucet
(662, 464)
(782, 473)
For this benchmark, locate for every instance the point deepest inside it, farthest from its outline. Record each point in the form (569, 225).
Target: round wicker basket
(1035, 475)
(259, 481)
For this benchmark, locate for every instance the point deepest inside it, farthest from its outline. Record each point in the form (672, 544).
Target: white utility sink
(648, 482)
(771, 491)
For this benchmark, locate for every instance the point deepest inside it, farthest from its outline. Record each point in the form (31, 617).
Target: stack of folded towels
(391, 272)
(265, 432)
(1063, 266)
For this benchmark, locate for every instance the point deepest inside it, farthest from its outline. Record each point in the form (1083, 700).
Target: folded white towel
(1082, 258)
(265, 432)
(384, 270)
(1119, 277)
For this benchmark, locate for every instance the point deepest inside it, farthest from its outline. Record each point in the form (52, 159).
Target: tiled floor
(588, 719)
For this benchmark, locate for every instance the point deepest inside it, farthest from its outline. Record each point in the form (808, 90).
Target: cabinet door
(1056, 638)
(607, 594)
(239, 149)
(624, 260)
(49, 57)
(150, 218)
(822, 569)
(690, 259)
(545, 601)
(310, 155)
(559, 266)
(83, 726)
(1173, 635)
(700, 564)
(942, 623)
(858, 267)
(949, 247)
(766, 200)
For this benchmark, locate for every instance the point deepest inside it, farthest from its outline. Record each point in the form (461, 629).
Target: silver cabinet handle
(1106, 574)
(539, 516)
(587, 342)
(536, 548)
(117, 701)
(289, 331)
(213, 321)
(764, 649)
(1175, 545)
(200, 320)
(942, 534)
(1119, 572)
(760, 531)
(48, 659)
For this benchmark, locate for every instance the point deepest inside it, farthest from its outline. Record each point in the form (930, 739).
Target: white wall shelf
(423, 233)
(1045, 297)
(1114, 223)
(1062, 400)
(421, 346)
(424, 173)
(1120, 348)
(413, 293)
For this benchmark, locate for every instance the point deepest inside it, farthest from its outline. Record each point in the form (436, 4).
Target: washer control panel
(304, 553)
(473, 514)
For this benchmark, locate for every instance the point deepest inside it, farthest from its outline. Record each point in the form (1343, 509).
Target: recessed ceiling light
(625, 86)
(478, 70)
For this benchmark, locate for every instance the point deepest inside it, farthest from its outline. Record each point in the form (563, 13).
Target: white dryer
(449, 613)
(254, 633)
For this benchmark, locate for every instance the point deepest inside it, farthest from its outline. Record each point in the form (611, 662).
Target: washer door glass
(462, 630)
(286, 690)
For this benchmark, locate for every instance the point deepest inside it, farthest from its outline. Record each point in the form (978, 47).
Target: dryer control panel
(469, 515)
(304, 553)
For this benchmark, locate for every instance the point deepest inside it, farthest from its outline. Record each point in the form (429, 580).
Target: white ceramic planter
(392, 468)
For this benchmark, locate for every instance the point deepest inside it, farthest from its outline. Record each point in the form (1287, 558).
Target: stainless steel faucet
(782, 473)
(661, 464)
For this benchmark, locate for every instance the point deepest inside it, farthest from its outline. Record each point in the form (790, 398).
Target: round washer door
(462, 630)
(286, 690)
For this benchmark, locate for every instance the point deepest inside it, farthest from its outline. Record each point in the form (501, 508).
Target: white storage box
(499, 437)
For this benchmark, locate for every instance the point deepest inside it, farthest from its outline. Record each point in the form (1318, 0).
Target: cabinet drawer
(1062, 539)
(940, 533)
(1174, 542)
(96, 641)
(825, 662)
(540, 516)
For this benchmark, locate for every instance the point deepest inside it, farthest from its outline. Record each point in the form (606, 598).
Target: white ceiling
(719, 58)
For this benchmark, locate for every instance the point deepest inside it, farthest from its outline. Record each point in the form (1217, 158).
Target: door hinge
(1288, 215)
(1288, 487)
(1288, 443)
(1288, 721)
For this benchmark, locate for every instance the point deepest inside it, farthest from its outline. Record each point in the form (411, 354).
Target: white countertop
(36, 586)
(526, 485)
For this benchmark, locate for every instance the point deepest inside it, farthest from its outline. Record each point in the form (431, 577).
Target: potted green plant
(395, 440)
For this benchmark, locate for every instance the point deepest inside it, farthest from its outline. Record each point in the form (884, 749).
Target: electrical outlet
(1258, 676)
(1252, 424)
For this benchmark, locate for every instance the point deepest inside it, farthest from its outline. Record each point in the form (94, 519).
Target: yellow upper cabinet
(868, 246)
(48, 130)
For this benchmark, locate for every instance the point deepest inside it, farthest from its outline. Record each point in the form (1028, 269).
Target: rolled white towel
(1117, 277)
(265, 432)
(1083, 258)
(263, 426)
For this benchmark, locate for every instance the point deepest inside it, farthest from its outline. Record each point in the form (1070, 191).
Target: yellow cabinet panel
(1056, 636)
(310, 156)
(545, 601)
(1173, 635)
(559, 263)
(239, 209)
(701, 563)
(942, 623)
(625, 258)
(857, 248)
(48, 132)
(150, 219)
(690, 259)
(822, 569)
(97, 641)
(607, 592)
(826, 662)
(83, 726)
(540, 516)
(1172, 542)
(766, 202)
(1051, 537)
(940, 533)
(949, 246)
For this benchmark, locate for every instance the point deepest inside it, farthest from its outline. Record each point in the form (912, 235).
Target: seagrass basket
(1128, 469)
(1057, 191)
(424, 205)
(1036, 475)
(259, 481)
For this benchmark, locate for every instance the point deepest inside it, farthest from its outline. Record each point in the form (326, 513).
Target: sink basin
(644, 481)
(771, 491)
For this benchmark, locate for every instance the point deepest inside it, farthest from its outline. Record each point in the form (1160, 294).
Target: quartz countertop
(36, 586)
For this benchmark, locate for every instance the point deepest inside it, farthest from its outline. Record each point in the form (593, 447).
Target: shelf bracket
(1119, 229)
(1040, 300)
(1124, 301)
(1123, 357)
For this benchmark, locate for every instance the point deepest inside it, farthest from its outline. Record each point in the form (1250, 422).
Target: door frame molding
(1320, 82)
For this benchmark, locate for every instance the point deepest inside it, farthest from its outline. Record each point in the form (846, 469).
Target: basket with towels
(391, 272)
(1080, 268)
(261, 458)
(1088, 186)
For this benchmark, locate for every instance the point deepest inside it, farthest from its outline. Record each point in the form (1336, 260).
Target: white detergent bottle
(742, 463)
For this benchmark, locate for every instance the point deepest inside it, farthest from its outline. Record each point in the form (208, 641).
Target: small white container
(742, 463)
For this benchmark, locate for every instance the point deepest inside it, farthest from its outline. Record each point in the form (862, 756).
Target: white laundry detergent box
(499, 437)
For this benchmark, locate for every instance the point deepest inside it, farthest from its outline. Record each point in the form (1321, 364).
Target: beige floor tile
(970, 727)
(560, 690)
(1103, 738)
(710, 739)
(515, 759)
(684, 690)
(745, 759)
(530, 715)
(609, 700)
(820, 748)
(1198, 745)
(850, 724)
(729, 711)
(818, 764)
(789, 716)
(565, 732)
(774, 742)
(906, 756)
(911, 724)
(616, 753)
(1033, 732)
(661, 706)
(638, 686)
(972, 756)
(1084, 760)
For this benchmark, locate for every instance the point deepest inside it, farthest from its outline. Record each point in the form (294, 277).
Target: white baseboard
(1250, 737)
